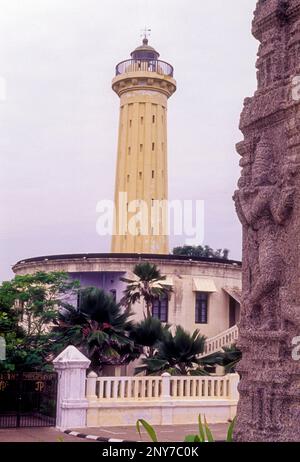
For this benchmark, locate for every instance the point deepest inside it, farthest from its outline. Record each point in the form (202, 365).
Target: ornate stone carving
(268, 205)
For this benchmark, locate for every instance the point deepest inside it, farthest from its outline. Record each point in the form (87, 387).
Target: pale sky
(59, 120)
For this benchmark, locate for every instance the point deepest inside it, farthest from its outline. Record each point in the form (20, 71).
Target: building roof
(133, 256)
(145, 51)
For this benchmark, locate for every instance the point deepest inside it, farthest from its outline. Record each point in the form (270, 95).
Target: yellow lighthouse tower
(144, 83)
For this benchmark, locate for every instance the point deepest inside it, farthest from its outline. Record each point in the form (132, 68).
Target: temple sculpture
(268, 206)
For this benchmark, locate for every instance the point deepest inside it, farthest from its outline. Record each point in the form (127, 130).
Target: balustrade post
(167, 415)
(166, 386)
(233, 393)
(233, 387)
(91, 384)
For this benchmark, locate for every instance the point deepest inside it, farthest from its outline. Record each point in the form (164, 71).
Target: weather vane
(146, 32)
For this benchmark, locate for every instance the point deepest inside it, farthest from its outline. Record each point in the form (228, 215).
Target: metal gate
(27, 399)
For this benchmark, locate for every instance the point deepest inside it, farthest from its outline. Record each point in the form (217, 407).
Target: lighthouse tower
(143, 83)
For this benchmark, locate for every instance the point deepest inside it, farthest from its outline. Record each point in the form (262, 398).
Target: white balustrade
(224, 339)
(124, 388)
(157, 388)
(115, 401)
(165, 400)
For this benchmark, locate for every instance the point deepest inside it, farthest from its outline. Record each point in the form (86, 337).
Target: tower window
(141, 147)
(129, 150)
(201, 308)
(128, 178)
(140, 175)
(153, 146)
(142, 120)
(152, 173)
(153, 119)
(130, 123)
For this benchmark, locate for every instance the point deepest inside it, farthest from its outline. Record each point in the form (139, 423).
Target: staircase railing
(225, 338)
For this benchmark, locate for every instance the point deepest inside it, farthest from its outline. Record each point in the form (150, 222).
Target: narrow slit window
(153, 119)
(141, 147)
(128, 178)
(142, 120)
(130, 123)
(201, 308)
(153, 173)
(129, 150)
(153, 146)
(140, 175)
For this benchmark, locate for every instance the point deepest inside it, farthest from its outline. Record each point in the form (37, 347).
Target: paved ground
(165, 433)
(31, 435)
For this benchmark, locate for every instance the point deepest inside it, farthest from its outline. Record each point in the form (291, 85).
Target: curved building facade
(206, 292)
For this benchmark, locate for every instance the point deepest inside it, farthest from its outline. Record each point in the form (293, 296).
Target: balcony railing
(146, 65)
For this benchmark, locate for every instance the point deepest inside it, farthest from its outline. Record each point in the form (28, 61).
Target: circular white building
(206, 291)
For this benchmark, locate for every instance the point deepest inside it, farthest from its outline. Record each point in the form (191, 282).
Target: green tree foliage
(29, 305)
(38, 320)
(201, 251)
(99, 328)
(36, 298)
(147, 285)
(228, 357)
(147, 334)
(177, 353)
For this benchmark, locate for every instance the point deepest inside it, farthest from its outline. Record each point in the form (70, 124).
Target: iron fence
(146, 65)
(27, 399)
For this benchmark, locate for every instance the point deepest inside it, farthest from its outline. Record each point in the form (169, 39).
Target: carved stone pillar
(268, 205)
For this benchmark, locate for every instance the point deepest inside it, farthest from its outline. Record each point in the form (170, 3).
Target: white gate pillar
(71, 366)
(167, 413)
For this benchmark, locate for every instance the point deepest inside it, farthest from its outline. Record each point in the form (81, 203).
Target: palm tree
(177, 353)
(147, 284)
(147, 334)
(99, 328)
(228, 357)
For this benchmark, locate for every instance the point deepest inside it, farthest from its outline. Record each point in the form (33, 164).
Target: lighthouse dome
(145, 52)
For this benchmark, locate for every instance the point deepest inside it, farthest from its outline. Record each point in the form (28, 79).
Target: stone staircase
(224, 339)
